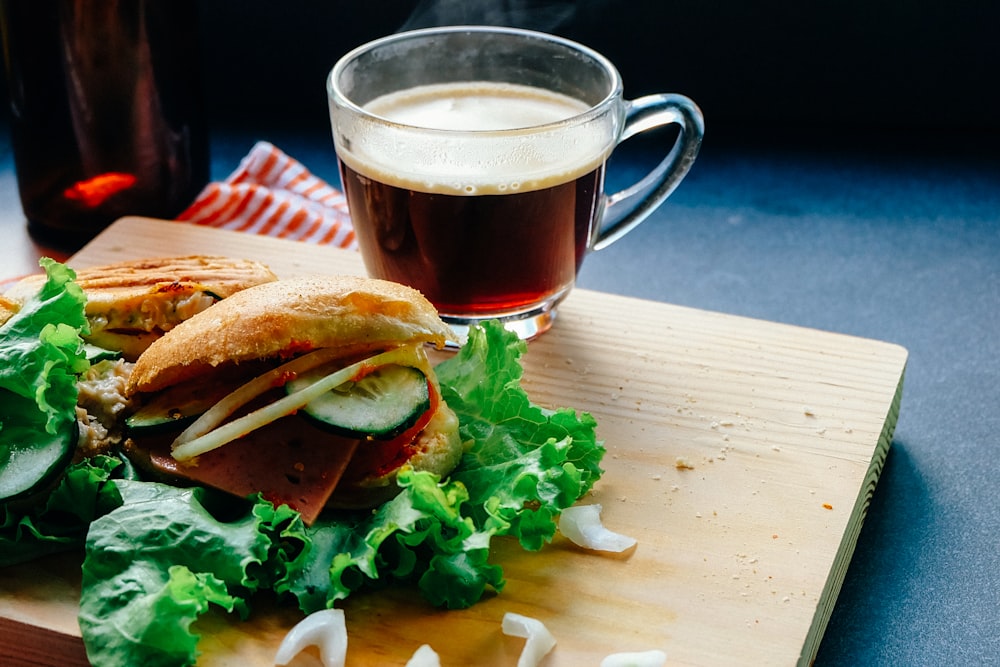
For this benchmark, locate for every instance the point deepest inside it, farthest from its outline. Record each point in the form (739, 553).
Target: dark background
(855, 75)
(866, 71)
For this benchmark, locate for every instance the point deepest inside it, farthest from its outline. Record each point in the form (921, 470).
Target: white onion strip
(249, 391)
(581, 524)
(200, 438)
(325, 629)
(538, 640)
(424, 656)
(652, 658)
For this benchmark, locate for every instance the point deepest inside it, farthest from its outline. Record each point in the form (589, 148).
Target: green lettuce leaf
(42, 351)
(526, 464)
(163, 558)
(62, 521)
(421, 535)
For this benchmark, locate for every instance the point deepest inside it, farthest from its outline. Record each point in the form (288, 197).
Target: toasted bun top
(130, 304)
(118, 285)
(286, 317)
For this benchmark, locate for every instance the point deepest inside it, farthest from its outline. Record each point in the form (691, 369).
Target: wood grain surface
(742, 455)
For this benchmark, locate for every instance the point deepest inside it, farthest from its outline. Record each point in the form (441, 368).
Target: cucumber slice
(96, 353)
(172, 408)
(381, 405)
(31, 457)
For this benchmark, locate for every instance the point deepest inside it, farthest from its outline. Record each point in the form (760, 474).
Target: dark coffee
(478, 255)
(490, 220)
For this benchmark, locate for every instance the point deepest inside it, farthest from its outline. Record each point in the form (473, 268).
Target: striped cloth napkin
(273, 194)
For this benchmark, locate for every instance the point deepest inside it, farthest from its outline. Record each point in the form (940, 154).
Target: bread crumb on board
(681, 463)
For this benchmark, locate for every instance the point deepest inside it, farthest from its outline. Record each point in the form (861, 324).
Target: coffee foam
(476, 138)
(479, 106)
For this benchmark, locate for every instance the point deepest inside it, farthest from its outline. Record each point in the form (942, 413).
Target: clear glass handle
(625, 209)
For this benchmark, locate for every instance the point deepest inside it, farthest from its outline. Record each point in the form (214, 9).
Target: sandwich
(421, 465)
(132, 303)
(312, 392)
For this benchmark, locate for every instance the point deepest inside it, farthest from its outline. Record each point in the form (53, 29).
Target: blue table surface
(901, 246)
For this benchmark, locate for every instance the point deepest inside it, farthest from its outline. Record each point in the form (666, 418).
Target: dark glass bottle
(107, 114)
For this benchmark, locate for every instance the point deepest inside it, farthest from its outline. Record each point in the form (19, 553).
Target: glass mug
(472, 159)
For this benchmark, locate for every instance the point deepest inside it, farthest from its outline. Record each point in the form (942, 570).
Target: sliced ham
(289, 461)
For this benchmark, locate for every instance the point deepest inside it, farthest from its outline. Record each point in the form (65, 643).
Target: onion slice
(325, 629)
(424, 656)
(206, 434)
(538, 640)
(249, 391)
(654, 658)
(581, 524)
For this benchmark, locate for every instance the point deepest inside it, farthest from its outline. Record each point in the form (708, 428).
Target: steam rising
(543, 16)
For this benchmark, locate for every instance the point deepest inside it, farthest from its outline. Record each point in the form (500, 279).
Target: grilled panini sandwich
(130, 304)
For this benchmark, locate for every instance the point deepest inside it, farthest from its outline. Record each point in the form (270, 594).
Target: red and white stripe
(273, 194)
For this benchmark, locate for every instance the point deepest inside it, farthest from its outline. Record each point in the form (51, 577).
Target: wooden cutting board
(741, 454)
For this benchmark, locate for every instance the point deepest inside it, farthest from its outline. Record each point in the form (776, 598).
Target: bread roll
(291, 316)
(263, 326)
